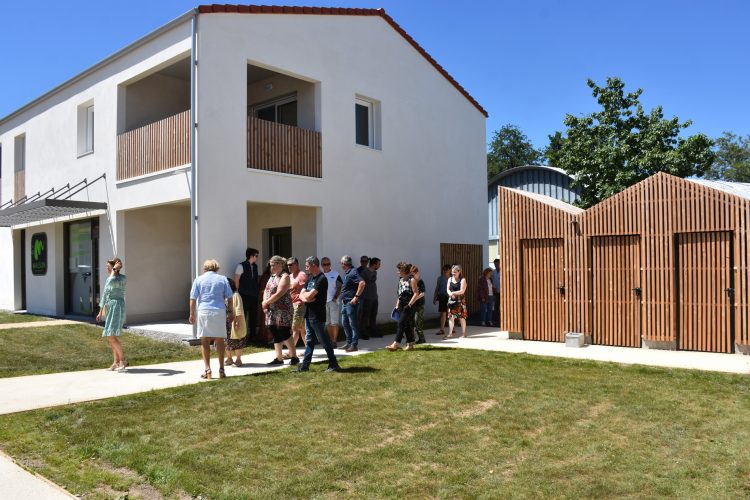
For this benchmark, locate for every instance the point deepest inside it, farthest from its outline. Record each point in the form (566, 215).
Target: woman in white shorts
(208, 298)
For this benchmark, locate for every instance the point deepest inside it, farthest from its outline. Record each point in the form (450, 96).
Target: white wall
(425, 186)
(46, 294)
(157, 263)
(155, 97)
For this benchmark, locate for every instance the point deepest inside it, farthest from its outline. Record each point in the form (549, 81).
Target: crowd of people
(310, 305)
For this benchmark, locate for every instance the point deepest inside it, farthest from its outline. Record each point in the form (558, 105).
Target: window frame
(369, 106)
(276, 103)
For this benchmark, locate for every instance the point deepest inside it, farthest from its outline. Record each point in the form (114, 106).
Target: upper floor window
(282, 110)
(367, 122)
(86, 128)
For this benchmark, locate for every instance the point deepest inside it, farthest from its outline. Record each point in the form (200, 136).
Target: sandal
(123, 364)
(409, 346)
(221, 373)
(206, 374)
(237, 363)
(441, 332)
(449, 336)
(393, 347)
(228, 362)
(114, 366)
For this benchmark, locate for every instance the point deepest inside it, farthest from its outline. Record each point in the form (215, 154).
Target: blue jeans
(349, 322)
(485, 312)
(315, 331)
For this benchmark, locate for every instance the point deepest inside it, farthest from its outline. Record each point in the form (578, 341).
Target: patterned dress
(113, 302)
(280, 312)
(457, 306)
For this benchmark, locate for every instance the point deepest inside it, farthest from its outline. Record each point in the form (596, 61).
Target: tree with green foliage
(509, 148)
(732, 161)
(620, 145)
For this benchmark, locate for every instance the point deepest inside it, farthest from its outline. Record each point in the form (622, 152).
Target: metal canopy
(47, 208)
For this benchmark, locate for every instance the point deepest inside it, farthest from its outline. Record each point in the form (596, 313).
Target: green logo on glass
(39, 254)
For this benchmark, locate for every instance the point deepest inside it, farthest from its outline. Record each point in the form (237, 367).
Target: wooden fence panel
(470, 258)
(705, 288)
(19, 185)
(282, 148)
(543, 290)
(616, 291)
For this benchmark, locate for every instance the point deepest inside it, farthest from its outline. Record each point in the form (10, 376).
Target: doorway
(616, 286)
(280, 241)
(82, 277)
(543, 290)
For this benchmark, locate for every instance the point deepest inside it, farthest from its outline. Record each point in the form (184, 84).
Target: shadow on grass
(359, 369)
(163, 372)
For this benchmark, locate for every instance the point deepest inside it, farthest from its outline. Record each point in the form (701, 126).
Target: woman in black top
(457, 300)
(407, 296)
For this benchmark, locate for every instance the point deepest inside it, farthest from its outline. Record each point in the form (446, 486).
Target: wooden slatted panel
(705, 306)
(470, 258)
(616, 305)
(657, 209)
(154, 147)
(282, 148)
(543, 275)
(19, 185)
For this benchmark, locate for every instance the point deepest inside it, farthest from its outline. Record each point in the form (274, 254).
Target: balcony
(155, 147)
(275, 147)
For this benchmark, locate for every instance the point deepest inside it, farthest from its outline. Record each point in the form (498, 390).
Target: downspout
(194, 152)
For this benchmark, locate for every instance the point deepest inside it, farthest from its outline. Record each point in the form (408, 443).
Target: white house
(302, 131)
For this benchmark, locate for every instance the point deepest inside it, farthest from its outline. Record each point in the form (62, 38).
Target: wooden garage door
(616, 281)
(705, 291)
(543, 290)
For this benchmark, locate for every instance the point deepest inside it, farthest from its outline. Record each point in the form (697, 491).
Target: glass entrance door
(81, 279)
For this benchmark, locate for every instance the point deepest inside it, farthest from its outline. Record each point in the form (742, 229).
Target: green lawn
(11, 317)
(433, 423)
(50, 349)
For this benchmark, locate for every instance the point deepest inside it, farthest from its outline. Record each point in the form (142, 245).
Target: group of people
(308, 305)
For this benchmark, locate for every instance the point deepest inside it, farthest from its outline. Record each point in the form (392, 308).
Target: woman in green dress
(112, 309)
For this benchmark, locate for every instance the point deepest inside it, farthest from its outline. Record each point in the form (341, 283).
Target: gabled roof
(547, 200)
(336, 11)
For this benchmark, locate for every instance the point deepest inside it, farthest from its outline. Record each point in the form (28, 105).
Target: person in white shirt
(333, 309)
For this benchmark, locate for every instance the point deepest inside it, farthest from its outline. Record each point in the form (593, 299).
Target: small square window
(367, 122)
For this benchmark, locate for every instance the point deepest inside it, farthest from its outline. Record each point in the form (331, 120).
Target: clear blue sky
(526, 61)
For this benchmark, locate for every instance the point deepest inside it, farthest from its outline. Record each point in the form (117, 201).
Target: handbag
(395, 314)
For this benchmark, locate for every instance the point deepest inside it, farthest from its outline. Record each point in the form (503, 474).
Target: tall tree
(509, 148)
(619, 145)
(732, 158)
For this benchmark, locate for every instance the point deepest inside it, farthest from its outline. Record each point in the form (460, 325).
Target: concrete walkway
(75, 387)
(35, 324)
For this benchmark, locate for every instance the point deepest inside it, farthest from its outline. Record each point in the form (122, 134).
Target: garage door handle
(730, 292)
(637, 291)
(562, 289)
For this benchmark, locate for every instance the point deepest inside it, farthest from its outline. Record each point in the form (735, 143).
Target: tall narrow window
(367, 122)
(86, 128)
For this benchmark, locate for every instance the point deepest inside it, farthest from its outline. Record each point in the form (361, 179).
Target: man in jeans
(246, 281)
(351, 291)
(314, 297)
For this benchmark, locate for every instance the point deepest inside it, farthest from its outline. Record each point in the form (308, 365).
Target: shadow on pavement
(162, 371)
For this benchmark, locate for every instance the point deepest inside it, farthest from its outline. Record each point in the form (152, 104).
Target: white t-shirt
(333, 277)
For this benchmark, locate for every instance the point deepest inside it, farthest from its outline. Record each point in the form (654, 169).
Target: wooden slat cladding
(705, 302)
(525, 217)
(543, 290)
(656, 210)
(615, 278)
(154, 147)
(470, 258)
(283, 148)
(19, 185)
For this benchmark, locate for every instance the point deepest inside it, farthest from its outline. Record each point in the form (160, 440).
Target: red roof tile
(271, 9)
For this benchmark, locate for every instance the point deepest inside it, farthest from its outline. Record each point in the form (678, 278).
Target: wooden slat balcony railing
(154, 147)
(283, 148)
